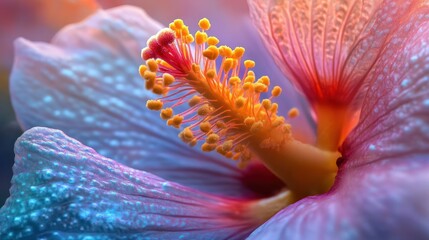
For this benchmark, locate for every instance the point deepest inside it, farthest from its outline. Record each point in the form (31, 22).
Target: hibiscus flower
(61, 188)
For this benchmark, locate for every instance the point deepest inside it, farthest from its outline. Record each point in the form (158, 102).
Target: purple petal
(63, 189)
(86, 83)
(395, 113)
(382, 189)
(374, 202)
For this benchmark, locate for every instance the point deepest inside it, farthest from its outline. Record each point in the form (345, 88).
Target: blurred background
(39, 20)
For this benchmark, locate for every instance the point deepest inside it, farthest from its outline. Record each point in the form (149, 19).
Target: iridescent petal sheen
(378, 201)
(62, 189)
(327, 48)
(381, 191)
(394, 120)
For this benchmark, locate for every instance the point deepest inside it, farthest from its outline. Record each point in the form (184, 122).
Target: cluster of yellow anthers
(225, 110)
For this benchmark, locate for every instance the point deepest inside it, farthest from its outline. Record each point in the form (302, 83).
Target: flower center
(226, 111)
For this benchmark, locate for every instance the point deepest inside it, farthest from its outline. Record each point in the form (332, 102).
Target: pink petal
(371, 202)
(86, 83)
(63, 189)
(395, 112)
(382, 190)
(328, 47)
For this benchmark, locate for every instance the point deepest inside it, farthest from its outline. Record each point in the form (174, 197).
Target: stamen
(293, 112)
(225, 106)
(225, 110)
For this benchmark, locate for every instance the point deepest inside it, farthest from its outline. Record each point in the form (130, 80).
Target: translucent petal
(86, 83)
(381, 190)
(62, 189)
(377, 201)
(327, 48)
(395, 113)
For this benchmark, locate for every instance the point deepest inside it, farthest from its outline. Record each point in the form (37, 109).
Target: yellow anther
(204, 24)
(234, 81)
(142, 70)
(238, 52)
(227, 145)
(206, 147)
(249, 64)
(225, 51)
(260, 87)
(278, 121)
(239, 102)
(211, 73)
(229, 154)
(211, 53)
(266, 103)
(249, 121)
(200, 37)
(189, 38)
(176, 121)
(158, 89)
(150, 83)
(194, 100)
(227, 64)
(256, 127)
(212, 40)
(249, 79)
(212, 138)
(293, 112)
(203, 110)
(236, 156)
(220, 124)
(187, 134)
(196, 67)
(205, 127)
(274, 107)
(178, 24)
(152, 65)
(276, 91)
(193, 142)
(265, 80)
(220, 150)
(166, 113)
(185, 31)
(172, 26)
(149, 75)
(154, 104)
(168, 79)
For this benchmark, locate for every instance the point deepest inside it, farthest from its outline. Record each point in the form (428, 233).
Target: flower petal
(86, 83)
(63, 189)
(381, 190)
(372, 202)
(395, 113)
(328, 47)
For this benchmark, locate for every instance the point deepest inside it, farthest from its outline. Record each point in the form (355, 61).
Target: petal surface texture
(381, 191)
(86, 83)
(327, 48)
(65, 190)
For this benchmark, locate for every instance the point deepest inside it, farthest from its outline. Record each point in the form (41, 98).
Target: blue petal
(86, 83)
(65, 190)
